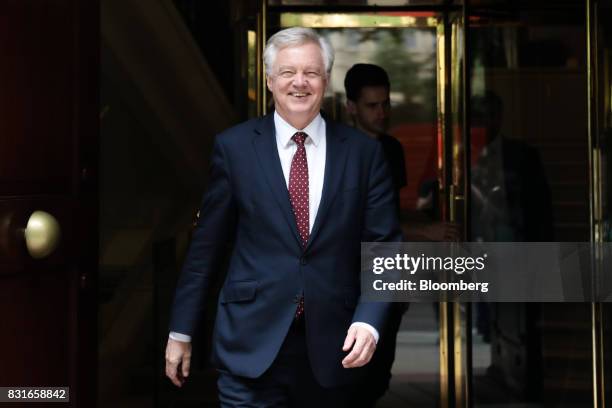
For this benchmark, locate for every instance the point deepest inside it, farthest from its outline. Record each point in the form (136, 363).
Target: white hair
(293, 37)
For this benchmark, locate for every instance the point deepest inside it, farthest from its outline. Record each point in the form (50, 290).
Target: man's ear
(326, 78)
(269, 82)
(350, 107)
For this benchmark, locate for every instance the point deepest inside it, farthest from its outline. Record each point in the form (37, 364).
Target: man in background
(368, 104)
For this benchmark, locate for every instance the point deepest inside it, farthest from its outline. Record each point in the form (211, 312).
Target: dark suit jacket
(247, 200)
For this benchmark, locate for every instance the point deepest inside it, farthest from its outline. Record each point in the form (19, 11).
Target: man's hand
(178, 358)
(363, 344)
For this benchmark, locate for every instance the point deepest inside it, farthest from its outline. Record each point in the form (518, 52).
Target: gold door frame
(596, 187)
(262, 29)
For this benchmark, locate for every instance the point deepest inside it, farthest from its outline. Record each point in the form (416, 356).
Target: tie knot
(299, 138)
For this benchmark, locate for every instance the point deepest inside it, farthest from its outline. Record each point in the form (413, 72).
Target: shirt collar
(284, 131)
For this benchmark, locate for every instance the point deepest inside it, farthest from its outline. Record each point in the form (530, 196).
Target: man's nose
(299, 79)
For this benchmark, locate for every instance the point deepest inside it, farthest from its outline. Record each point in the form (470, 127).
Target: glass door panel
(529, 182)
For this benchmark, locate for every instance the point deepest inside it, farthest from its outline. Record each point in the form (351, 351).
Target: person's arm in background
(422, 226)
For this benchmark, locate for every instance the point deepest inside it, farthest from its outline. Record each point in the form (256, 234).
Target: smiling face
(297, 82)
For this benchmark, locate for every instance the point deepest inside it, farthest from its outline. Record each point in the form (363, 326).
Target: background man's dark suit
(247, 200)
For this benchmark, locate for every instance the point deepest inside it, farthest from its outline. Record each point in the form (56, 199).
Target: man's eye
(287, 74)
(312, 74)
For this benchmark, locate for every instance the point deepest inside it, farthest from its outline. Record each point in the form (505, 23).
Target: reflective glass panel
(529, 182)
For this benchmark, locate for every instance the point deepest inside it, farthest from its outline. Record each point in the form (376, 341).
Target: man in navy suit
(297, 194)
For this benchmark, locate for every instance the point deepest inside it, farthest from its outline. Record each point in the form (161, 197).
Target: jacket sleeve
(381, 224)
(210, 237)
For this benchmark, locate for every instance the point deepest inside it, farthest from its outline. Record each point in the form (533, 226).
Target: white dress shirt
(315, 145)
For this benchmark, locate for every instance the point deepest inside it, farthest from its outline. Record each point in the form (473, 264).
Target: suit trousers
(288, 382)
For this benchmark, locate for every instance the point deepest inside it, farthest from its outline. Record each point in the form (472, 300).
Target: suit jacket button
(303, 260)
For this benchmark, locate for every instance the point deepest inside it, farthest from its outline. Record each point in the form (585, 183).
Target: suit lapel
(335, 160)
(267, 154)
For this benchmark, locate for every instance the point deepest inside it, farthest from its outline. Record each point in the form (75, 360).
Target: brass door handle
(42, 234)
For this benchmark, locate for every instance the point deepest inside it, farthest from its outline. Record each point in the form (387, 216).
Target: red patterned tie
(298, 194)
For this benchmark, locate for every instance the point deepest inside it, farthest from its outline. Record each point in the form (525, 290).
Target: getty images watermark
(413, 264)
(486, 272)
